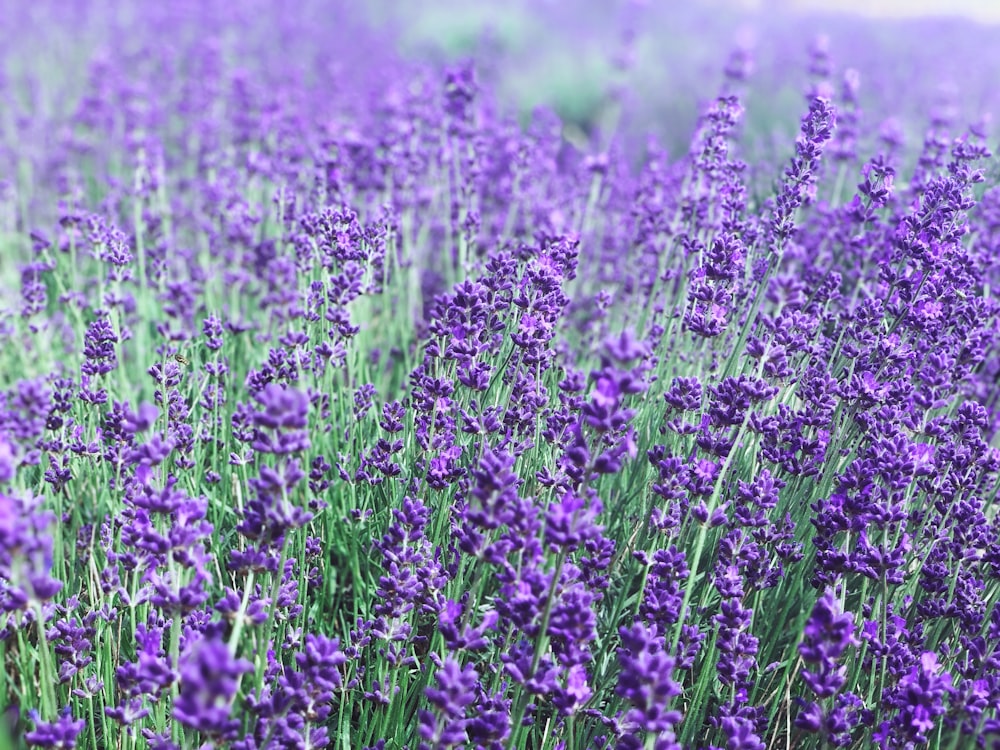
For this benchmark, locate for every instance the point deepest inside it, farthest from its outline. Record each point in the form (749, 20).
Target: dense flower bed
(339, 410)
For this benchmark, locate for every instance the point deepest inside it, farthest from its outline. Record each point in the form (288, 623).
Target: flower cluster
(342, 408)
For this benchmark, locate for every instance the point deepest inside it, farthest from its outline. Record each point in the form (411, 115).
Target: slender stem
(541, 643)
(234, 637)
(261, 656)
(47, 678)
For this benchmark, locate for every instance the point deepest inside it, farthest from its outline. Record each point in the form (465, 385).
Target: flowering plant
(342, 411)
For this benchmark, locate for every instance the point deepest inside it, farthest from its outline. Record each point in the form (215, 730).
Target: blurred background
(914, 58)
(631, 67)
(982, 10)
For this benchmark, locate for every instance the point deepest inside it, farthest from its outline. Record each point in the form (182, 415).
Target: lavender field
(349, 400)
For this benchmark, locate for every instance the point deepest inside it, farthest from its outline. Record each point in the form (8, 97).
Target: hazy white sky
(984, 10)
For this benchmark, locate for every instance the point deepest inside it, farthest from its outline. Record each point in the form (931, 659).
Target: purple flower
(142, 419)
(60, 734)
(740, 734)
(919, 700)
(623, 349)
(646, 679)
(26, 550)
(99, 348)
(446, 726)
(281, 408)
(684, 394)
(465, 637)
(661, 604)
(8, 462)
(149, 675)
(828, 634)
(570, 521)
(209, 679)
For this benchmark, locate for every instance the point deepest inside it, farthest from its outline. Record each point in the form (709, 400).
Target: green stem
(47, 677)
(541, 643)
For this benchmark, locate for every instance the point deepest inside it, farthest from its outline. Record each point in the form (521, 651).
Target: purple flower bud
(61, 733)
(8, 463)
(142, 420)
(828, 634)
(281, 408)
(646, 679)
(99, 348)
(209, 676)
(446, 727)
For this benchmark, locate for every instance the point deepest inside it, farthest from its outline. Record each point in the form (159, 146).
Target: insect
(182, 360)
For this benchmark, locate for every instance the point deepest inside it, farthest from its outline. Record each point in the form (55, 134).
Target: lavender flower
(61, 734)
(347, 407)
(209, 679)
